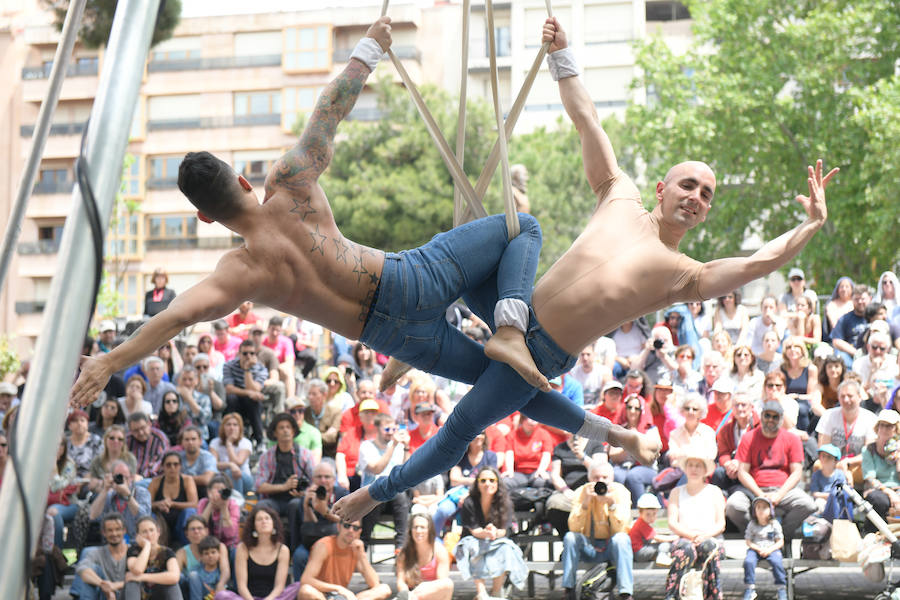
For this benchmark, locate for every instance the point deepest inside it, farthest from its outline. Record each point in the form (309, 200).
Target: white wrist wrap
(562, 64)
(511, 312)
(369, 52)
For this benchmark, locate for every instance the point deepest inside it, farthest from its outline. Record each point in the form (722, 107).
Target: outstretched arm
(596, 150)
(307, 160)
(721, 276)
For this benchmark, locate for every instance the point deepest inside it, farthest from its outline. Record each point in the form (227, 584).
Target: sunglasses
(691, 409)
(330, 381)
(248, 353)
(115, 439)
(742, 354)
(346, 525)
(3, 444)
(879, 348)
(771, 416)
(487, 480)
(170, 401)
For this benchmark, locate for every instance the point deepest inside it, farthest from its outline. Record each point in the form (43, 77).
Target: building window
(307, 48)
(124, 241)
(501, 38)
(257, 103)
(169, 55)
(53, 181)
(171, 231)
(132, 179)
(131, 296)
(164, 171)
(299, 101)
(667, 10)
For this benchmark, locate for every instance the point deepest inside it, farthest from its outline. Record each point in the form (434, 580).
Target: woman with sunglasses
(423, 565)
(747, 379)
(174, 496)
(731, 316)
(485, 551)
(886, 292)
(172, 417)
(114, 449)
(626, 469)
(801, 383)
(337, 389)
(109, 414)
(831, 374)
(692, 433)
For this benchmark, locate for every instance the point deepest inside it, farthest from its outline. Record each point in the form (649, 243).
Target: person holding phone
(120, 495)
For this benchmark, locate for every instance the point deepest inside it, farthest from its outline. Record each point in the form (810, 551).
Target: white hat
(107, 325)
(724, 385)
(796, 272)
(889, 416)
(694, 452)
(648, 501)
(8, 388)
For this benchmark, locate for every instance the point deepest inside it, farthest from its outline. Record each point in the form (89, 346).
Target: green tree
(98, 18)
(767, 88)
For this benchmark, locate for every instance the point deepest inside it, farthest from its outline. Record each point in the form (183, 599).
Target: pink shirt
(229, 349)
(281, 346)
(230, 536)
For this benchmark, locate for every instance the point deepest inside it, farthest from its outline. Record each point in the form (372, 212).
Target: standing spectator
(157, 385)
(847, 333)
(769, 359)
(134, 402)
(886, 292)
(110, 414)
(83, 446)
(696, 515)
(770, 464)
(692, 433)
(743, 418)
(120, 495)
(598, 530)
(198, 405)
(377, 456)
(243, 378)
(173, 417)
(283, 348)
(849, 427)
(158, 299)
(841, 303)
(198, 463)
(100, 573)
(801, 382)
(147, 444)
(484, 551)
(225, 343)
(767, 320)
(879, 467)
(610, 400)
(113, 449)
(232, 451)
(591, 375)
(318, 520)
(221, 512)
(765, 539)
(325, 416)
(309, 437)
(720, 408)
(240, 322)
(796, 290)
(528, 459)
(366, 366)
(731, 316)
(747, 379)
(628, 471)
(174, 496)
(423, 565)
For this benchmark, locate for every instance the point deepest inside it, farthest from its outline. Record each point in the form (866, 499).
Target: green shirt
(309, 438)
(874, 466)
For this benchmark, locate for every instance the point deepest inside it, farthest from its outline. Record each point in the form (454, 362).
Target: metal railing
(38, 247)
(214, 122)
(76, 70)
(55, 129)
(219, 62)
(196, 243)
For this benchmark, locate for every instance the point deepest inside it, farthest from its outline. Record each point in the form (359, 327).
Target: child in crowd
(648, 545)
(764, 540)
(204, 578)
(823, 480)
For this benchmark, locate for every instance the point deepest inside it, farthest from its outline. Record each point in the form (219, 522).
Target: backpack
(597, 583)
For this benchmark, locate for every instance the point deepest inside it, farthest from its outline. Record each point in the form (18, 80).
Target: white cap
(648, 501)
(107, 325)
(723, 384)
(8, 388)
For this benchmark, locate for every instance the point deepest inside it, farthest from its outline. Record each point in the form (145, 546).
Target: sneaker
(750, 594)
(781, 593)
(570, 594)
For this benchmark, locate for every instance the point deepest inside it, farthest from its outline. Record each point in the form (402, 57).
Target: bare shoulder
(296, 172)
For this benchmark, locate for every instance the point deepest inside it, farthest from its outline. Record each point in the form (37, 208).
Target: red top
(602, 411)
(714, 416)
(236, 319)
(726, 448)
(416, 439)
(350, 418)
(770, 458)
(349, 446)
(641, 534)
(527, 450)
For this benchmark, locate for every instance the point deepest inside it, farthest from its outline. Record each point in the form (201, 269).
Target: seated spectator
(628, 471)
(337, 388)
(113, 449)
(831, 374)
(646, 544)
(157, 382)
(693, 433)
(273, 388)
(134, 402)
(423, 390)
(347, 457)
(847, 333)
(324, 416)
(83, 445)
(110, 414)
(377, 456)
(207, 577)
(208, 384)
(879, 467)
(61, 505)
(825, 478)
(188, 354)
(152, 568)
(849, 427)
(765, 539)
(712, 366)
(232, 451)
(663, 410)
(318, 520)
(629, 339)
(333, 561)
(805, 323)
(119, 494)
(657, 357)
(197, 463)
(722, 344)
(173, 418)
(261, 560)
(221, 512)
(720, 408)
(197, 404)
(766, 321)
(771, 465)
(240, 322)
(423, 565)
(877, 365)
(769, 359)
(284, 472)
(462, 477)
(367, 369)
(100, 573)
(309, 437)
(283, 348)
(684, 375)
(190, 556)
(731, 316)
(365, 390)
(216, 359)
(484, 551)
(696, 514)
(224, 342)
(841, 303)
(171, 359)
(746, 378)
(610, 400)
(800, 382)
(637, 382)
(591, 374)
(743, 418)
(426, 428)
(174, 497)
(243, 378)
(528, 458)
(598, 530)
(569, 471)
(773, 389)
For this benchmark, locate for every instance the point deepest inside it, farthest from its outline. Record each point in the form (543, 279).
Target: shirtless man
(584, 295)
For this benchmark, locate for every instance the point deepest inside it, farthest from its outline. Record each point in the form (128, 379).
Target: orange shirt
(338, 568)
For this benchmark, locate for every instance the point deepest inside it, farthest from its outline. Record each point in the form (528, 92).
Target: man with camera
(284, 473)
(598, 529)
(377, 456)
(120, 495)
(318, 520)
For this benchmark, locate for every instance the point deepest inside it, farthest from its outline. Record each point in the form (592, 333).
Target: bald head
(688, 167)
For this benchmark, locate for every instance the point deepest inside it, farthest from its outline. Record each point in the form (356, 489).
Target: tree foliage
(98, 18)
(767, 88)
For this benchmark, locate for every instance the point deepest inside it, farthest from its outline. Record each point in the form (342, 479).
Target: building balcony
(214, 122)
(194, 243)
(76, 70)
(38, 247)
(220, 62)
(55, 129)
(53, 187)
(366, 114)
(342, 55)
(30, 307)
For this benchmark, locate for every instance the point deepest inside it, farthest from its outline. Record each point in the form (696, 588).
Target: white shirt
(628, 344)
(887, 373)
(369, 454)
(860, 433)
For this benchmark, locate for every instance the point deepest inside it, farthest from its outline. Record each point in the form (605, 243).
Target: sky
(206, 8)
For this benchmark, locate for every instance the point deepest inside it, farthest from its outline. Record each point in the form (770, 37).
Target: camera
(349, 371)
(301, 485)
(118, 479)
(600, 488)
(225, 493)
(658, 344)
(321, 492)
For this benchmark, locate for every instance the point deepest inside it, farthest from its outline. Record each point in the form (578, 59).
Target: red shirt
(714, 416)
(769, 458)
(350, 418)
(416, 439)
(236, 319)
(282, 346)
(349, 446)
(527, 450)
(641, 534)
(602, 411)
(557, 435)
(229, 348)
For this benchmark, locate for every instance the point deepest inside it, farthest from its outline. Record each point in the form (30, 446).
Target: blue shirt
(850, 328)
(205, 463)
(819, 483)
(573, 390)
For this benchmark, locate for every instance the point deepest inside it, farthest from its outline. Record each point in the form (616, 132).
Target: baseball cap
(295, 401)
(832, 450)
(723, 384)
(8, 388)
(772, 405)
(889, 416)
(796, 272)
(368, 404)
(634, 374)
(648, 501)
(612, 384)
(424, 408)
(107, 325)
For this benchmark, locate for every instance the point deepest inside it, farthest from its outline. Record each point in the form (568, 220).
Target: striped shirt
(149, 454)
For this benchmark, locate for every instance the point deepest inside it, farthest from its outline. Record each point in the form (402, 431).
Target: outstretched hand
(380, 31)
(91, 381)
(553, 33)
(814, 204)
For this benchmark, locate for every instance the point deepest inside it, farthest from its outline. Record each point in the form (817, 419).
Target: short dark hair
(137, 417)
(278, 321)
(247, 344)
(210, 184)
(111, 516)
(278, 418)
(210, 542)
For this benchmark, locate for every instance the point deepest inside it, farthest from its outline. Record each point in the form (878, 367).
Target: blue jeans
(477, 262)
(775, 560)
(617, 550)
(64, 514)
(636, 479)
(298, 561)
(241, 484)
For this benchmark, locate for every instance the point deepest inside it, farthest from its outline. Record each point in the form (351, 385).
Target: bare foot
(393, 371)
(508, 346)
(355, 506)
(642, 446)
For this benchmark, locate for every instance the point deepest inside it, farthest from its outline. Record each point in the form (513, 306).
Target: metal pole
(39, 137)
(43, 409)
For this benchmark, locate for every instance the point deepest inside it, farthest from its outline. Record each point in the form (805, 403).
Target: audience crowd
(209, 468)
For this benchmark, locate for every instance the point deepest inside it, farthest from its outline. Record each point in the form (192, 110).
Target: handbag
(691, 585)
(667, 479)
(845, 539)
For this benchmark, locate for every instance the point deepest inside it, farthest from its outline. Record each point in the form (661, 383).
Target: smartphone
(402, 426)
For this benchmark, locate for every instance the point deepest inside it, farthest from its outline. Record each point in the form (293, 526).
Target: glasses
(878, 348)
(171, 401)
(487, 480)
(796, 279)
(3, 444)
(248, 353)
(297, 410)
(346, 525)
(770, 416)
(774, 386)
(691, 409)
(742, 354)
(115, 439)
(330, 381)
